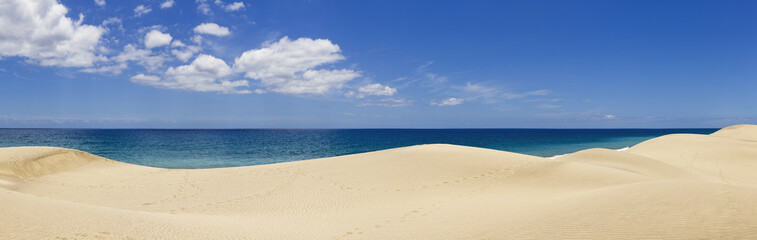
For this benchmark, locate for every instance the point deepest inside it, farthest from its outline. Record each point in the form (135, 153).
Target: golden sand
(679, 186)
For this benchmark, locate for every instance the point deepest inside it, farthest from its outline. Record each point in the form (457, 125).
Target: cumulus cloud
(289, 66)
(186, 53)
(205, 74)
(448, 102)
(166, 4)
(156, 38)
(141, 10)
(178, 43)
(40, 31)
(234, 6)
(212, 29)
(100, 2)
(372, 90)
(182, 51)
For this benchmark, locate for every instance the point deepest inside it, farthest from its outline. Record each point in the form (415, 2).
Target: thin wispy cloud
(204, 7)
(374, 89)
(142, 10)
(447, 102)
(167, 4)
(236, 6)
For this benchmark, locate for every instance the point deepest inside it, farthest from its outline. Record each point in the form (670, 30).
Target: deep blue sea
(191, 148)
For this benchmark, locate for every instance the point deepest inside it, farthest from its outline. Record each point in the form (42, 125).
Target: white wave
(557, 156)
(622, 149)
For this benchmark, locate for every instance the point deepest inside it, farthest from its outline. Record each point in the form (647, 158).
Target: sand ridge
(671, 187)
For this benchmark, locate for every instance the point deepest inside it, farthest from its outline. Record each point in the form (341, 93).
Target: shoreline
(674, 186)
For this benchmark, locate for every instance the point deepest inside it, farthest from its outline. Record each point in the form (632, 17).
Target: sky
(377, 64)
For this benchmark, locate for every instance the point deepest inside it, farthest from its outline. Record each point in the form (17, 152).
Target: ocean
(214, 148)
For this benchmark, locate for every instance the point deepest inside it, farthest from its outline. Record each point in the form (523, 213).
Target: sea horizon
(215, 148)
(364, 128)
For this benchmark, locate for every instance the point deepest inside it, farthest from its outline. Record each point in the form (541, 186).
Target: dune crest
(32, 162)
(744, 132)
(677, 186)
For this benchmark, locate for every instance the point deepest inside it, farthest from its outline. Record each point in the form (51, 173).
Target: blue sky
(380, 64)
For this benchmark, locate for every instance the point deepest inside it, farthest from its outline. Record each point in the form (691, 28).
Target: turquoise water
(198, 148)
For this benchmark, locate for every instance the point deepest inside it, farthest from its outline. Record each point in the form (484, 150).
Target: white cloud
(156, 38)
(197, 39)
(185, 53)
(112, 21)
(142, 78)
(141, 10)
(205, 74)
(131, 53)
(182, 51)
(100, 2)
(113, 69)
(212, 29)
(178, 43)
(143, 57)
(372, 90)
(40, 31)
(234, 6)
(448, 102)
(203, 7)
(317, 81)
(610, 116)
(288, 66)
(167, 4)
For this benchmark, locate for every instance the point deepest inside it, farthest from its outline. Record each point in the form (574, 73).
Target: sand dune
(678, 186)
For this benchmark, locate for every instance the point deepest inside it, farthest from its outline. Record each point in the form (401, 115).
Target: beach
(678, 186)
